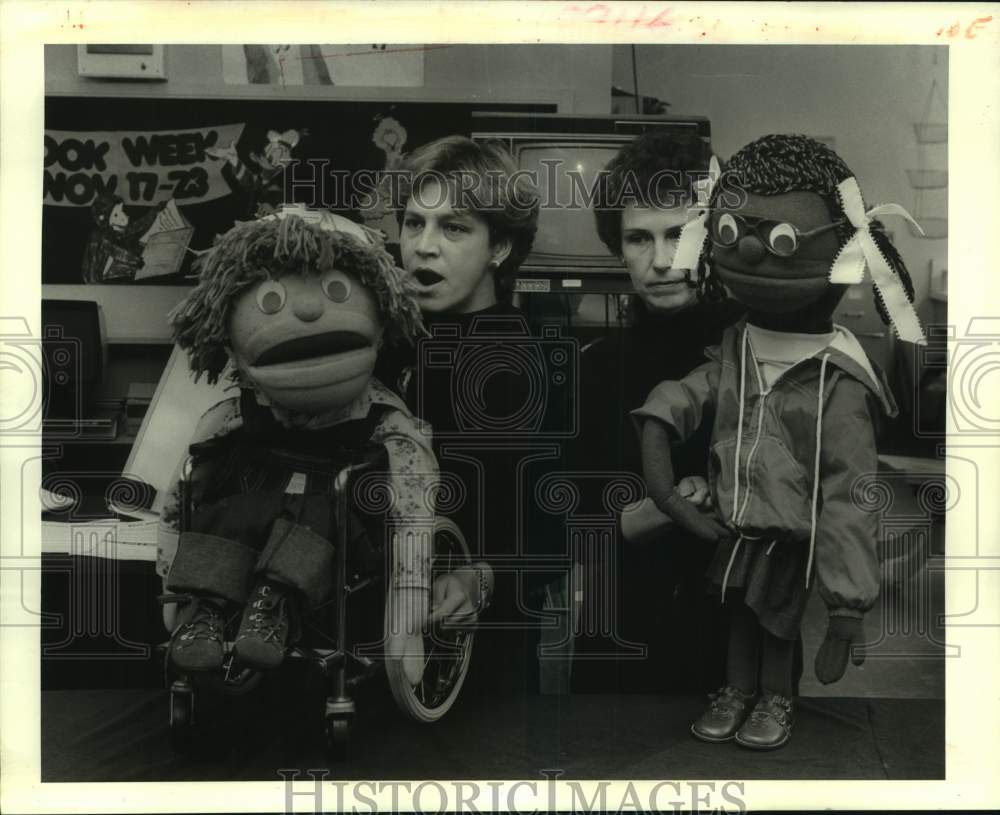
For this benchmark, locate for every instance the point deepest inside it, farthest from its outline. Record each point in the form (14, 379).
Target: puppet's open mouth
(312, 347)
(425, 277)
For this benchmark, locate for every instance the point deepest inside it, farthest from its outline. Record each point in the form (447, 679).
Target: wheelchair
(343, 638)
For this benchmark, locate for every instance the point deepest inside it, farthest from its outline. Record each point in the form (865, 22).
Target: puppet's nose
(751, 249)
(307, 307)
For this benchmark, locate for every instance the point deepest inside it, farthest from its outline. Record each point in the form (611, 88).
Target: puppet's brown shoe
(769, 726)
(265, 628)
(728, 709)
(196, 644)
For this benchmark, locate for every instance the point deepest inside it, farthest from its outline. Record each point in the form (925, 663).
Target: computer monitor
(74, 352)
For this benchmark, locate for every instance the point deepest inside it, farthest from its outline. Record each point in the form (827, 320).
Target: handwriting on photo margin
(971, 31)
(625, 15)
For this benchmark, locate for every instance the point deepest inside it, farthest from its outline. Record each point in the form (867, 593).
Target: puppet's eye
(270, 296)
(726, 230)
(783, 240)
(336, 286)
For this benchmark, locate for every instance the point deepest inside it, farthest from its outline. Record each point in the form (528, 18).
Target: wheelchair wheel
(446, 651)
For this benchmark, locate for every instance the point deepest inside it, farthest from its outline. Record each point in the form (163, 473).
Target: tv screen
(565, 154)
(566, 176)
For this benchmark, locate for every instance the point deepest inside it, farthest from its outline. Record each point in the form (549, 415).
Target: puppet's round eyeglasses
(780, 238)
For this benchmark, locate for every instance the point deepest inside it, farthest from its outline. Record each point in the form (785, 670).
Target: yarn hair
(269, 249)
(777, 164)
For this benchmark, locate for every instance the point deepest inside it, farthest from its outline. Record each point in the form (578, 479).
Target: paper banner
(143, 167)
(390, 66)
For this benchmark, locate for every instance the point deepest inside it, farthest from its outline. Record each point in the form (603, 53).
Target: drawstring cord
(739, 425)
(736, 461)
(736, 466)
(819, 438)
(729, 566)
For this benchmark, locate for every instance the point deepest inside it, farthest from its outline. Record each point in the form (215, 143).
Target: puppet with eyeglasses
(794, 403)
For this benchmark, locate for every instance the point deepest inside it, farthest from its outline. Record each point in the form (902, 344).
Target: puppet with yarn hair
(795, 402)
(297, 305)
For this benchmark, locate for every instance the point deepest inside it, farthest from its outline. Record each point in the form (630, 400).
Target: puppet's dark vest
(263, 457)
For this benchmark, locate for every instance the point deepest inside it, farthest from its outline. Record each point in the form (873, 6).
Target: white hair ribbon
(860, 251)
(692, 238)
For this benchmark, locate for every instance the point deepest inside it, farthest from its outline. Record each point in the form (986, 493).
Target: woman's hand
(695, 489)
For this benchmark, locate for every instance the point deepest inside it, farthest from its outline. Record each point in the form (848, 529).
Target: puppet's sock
(744, 649)
(776, 664)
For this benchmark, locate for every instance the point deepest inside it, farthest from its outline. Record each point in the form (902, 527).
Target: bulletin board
(154, 152)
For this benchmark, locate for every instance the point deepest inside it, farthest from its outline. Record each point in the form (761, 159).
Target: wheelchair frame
(334, 662)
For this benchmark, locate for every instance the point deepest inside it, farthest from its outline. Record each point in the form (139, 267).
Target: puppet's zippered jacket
(815, 425)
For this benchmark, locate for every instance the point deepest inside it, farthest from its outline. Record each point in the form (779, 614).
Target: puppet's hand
(695, 489)
(460, 596)
(831, 660)
(658, 470)
(688, 517)
(405, 638)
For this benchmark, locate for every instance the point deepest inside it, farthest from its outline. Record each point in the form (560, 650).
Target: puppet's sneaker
(196, 644)
(264, 629)
(726, 713)
(770, 724)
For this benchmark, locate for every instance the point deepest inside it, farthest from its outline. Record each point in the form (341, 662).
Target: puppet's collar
(844, 351)
(375, 394)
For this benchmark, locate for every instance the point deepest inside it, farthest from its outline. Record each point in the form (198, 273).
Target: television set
(565, 153)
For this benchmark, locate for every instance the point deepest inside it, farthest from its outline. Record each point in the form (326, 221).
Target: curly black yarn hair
(776, 164)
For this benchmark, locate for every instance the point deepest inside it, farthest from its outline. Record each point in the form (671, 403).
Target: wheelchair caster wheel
(338, 735)
(181, 715)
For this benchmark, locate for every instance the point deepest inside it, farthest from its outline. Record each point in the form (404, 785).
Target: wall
(577, 77)
(866, 97)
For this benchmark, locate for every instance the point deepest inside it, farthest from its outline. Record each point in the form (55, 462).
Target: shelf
(132, 314)
(928, 179)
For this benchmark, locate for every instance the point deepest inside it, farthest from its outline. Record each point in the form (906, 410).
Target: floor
(121, 735)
